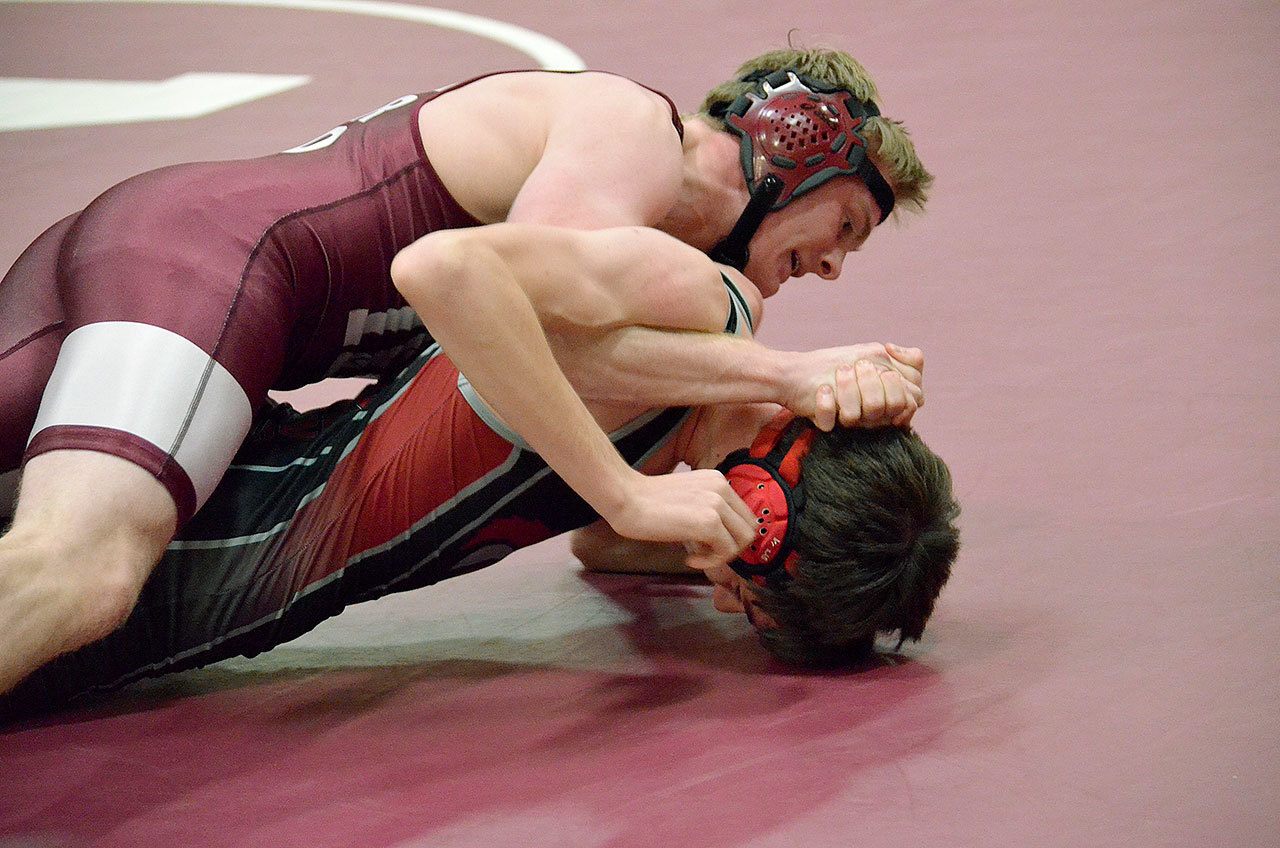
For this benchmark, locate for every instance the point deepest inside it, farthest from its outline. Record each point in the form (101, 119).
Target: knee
(102, 598)
(89, 589)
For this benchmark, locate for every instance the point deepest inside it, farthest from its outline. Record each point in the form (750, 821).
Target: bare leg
(87, 531)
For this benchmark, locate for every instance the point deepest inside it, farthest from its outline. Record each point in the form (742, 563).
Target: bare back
(607, 149)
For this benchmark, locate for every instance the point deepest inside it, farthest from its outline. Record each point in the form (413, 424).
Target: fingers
(712, 544)
(825, 409)
(912, 357)
(743, 527)
(850, 396)
(733, 525)
(916, 393)
(909, 362)
(874, 396)
(895, 394)
(741, 530)
(871, 387)
(861, 396)
(856, 399)
(903, 418)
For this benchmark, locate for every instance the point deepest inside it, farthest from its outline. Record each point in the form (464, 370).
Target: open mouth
(795, 263)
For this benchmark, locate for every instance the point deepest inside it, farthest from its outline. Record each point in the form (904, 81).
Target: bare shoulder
(585, 102)
(585, 150)
(619, 94)
(622, 122)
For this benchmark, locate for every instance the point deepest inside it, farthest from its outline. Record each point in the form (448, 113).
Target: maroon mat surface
(1095, 288)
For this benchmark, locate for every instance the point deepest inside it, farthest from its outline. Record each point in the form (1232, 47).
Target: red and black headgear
(796, 133)
(767, 477)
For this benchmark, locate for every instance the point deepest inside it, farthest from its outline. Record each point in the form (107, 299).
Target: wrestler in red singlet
(176, 299)
(415, 482)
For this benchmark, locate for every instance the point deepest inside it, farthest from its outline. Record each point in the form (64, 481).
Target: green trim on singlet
(737, 305)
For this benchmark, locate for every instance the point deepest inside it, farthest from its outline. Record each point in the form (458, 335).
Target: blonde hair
(890, 144)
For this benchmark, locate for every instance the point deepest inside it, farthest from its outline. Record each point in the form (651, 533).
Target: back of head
(876, 540)
(891, 146)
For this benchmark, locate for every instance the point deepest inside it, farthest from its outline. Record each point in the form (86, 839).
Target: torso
(273, 272)
(458, 132)
(279, 267)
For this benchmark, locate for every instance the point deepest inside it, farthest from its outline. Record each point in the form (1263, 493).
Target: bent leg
(240, 578)
(88, 529)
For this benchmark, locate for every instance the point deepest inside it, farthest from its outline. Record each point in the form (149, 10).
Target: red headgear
(767, 478)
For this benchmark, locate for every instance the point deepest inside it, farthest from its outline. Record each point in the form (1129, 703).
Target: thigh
(238, 579)
(171, 337)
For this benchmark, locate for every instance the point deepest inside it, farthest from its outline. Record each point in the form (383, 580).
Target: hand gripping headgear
(795, 134)
(767, 477)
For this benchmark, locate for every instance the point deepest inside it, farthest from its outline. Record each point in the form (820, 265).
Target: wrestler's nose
(830, 264)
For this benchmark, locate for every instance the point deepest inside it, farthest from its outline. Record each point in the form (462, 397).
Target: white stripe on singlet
(156, 385)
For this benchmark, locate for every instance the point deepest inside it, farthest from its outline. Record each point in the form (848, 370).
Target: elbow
(588, 547)
(415, 268)
(426, 271)
(582, 547)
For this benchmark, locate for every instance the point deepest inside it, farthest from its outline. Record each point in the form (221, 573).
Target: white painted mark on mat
(57, 96)
(30, 104)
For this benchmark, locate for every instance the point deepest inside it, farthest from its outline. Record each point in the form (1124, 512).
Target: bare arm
(485, 294)
(659, 367)
(631, 175)
(602, 550)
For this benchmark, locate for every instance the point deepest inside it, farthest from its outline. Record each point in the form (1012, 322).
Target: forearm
(599, 549)
(679, 368)
(638, 364)
(484, 321)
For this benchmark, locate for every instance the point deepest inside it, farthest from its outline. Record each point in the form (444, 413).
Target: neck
(714, 432)
(713, 192)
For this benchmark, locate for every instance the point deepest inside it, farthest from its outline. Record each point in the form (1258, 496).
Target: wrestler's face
(812, 234)
(732, 594)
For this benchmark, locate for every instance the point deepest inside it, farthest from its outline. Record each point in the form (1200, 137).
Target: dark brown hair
(876, 540)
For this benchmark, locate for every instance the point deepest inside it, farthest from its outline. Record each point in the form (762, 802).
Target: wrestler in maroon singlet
(177, 298)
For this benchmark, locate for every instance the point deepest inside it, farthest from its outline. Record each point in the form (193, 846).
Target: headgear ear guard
(796, 133)
(767, 477)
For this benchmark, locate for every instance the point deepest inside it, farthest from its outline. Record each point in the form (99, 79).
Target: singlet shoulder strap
(675, 113)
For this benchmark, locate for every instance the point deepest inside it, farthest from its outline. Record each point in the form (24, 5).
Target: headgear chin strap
(796, 133)
(767, 477)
